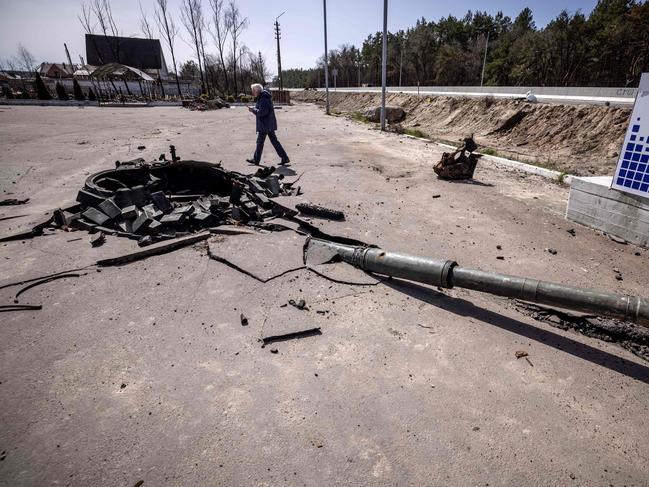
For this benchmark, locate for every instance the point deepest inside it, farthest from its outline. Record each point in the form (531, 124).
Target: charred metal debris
(154, 201)
(459, 164)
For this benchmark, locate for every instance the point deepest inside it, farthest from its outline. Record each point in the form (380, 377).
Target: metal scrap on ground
(458, 164)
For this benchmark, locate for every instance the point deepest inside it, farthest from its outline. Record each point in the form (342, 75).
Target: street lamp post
(384, 62)
(326, 60)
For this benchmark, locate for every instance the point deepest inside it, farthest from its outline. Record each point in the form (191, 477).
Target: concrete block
(262, 199)
(202, 217)
(141, 223)
(83, 224)
(129, 212)
(184, 210)
(161, 201)
(95, 216)
(235, 195)
(594, 204)
(122, 198)
(125, 226)
(109, 207)
(255, 186)
(239, 214)
(152, 211)
(272, 183)
(86, 198)
(172, 219)
(155, 226)
(139, 195)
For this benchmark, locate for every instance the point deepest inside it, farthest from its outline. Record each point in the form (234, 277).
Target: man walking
(266, 124)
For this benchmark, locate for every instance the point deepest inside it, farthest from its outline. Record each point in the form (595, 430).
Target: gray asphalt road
(144, 372)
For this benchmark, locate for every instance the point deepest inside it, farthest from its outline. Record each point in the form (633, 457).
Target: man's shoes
(283, 162)
(252, 161)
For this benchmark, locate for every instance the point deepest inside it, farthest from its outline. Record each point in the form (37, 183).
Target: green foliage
(42, 92)
(359, 117)
(61, 93)
(78, 93)
(609, 47)
(230, 99)
(244, 99)
(415, 133)
(91, 95)
(25, 95)
(7, 93)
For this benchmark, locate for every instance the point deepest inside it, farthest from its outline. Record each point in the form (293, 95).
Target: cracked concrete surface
(144, 372)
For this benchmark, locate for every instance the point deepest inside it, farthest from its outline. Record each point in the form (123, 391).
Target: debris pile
(201, 105)
(152, 201)
(458, 165)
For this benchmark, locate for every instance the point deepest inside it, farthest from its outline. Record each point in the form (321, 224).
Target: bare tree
(258, 69)
(220, 35)
(146, 29)
(11, 64)
(191, 14)
(85, 18)
(25, 59)
(168, 31)
(203, 27)
(237, 25)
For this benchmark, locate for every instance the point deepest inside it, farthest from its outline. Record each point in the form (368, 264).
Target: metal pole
(484, 62)
(384, 61)
(400, 66)
(326, 60)
(448, 274)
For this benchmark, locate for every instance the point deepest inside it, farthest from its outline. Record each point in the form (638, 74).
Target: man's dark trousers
(261, 138)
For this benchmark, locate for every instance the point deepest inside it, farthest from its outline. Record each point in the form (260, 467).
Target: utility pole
(279, 56)
(326, 60)
(384, 62)
(484, 62)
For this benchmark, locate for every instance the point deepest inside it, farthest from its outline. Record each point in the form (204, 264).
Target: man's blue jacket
(265, 112)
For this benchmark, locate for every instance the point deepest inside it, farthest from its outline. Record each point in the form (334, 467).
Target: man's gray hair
(256, 86)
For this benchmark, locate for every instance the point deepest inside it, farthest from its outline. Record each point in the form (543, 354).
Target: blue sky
(43, 26)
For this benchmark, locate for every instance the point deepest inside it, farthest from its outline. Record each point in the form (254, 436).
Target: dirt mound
(576, 139)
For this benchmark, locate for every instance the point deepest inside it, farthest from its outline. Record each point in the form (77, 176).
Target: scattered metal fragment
(11, 217)
(552, 251)
(291, 336)
(155, 249)
(244, 320)
(572, 232)
(616, 239)
(4, 308)
(301, 304)
(44, 281)
(632, 337)
(97, 239)
(18, 283)
(458, 165)
(321, 211)
(521, 354)
(30, 233)
(13, 201)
